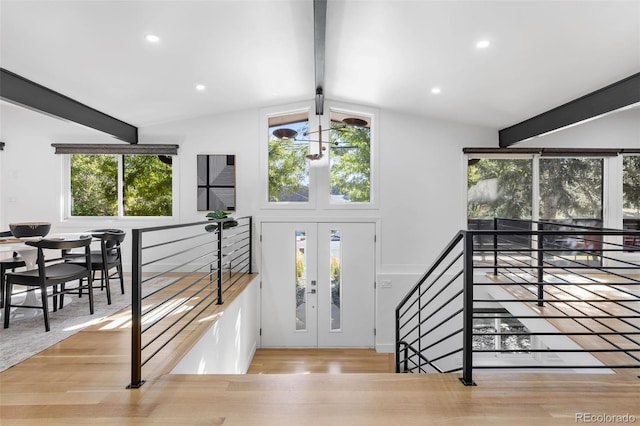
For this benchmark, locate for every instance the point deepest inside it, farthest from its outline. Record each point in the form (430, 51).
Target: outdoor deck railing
(525, 295)
(178, 272)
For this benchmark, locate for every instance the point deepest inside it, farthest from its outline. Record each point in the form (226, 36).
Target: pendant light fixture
(284, 133)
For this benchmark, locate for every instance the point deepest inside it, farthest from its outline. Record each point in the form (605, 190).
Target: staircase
(530, 296)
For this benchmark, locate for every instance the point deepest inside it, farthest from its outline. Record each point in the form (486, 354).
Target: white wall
(229, 345)
(616, 130)
(421, 182)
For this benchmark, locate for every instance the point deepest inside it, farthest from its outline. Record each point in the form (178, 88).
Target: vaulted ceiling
(384, 53)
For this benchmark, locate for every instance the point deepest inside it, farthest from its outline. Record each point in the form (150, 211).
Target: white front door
(318, 284)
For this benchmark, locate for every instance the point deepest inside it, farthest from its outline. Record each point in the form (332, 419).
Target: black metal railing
(178, 273)
(526, 295)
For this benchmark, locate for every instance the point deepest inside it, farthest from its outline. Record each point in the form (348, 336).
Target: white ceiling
(382, 53)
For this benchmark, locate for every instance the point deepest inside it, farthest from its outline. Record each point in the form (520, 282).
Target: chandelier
(285, 133)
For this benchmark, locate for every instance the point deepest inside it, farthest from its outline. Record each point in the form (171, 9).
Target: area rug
(26, 335)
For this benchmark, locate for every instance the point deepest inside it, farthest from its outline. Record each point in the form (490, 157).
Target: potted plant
(219, 215)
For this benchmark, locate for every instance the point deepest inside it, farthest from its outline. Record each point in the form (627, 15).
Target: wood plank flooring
(321, 361)
(82, 380)
(560, 301)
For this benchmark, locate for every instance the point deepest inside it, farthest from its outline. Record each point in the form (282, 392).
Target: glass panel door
(318, 284)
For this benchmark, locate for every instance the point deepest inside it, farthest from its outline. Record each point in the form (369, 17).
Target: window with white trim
(320, 161)
(349, 158)
(288, 168)
(120, 185)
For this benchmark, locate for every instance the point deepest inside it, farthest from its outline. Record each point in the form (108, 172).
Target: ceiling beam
(319, 39)
(618, 95)
(19, 90)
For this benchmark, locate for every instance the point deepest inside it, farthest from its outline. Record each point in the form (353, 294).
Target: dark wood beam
(116, 148)
(553, 152)
(319, 42)
(19, 90)
(610, 98)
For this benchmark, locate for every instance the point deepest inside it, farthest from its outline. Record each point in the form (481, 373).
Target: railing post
(420, 328)
(540, 266)
(467, 313)
(220, 263)
(136, 311)
(397, 341)
(250, 244)
(495, 247)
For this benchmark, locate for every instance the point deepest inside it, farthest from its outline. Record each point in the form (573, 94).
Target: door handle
(312, 291)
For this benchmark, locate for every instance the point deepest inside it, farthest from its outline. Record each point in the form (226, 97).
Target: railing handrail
(567, 225)
(448, 249)
(541, 272)
(206, 251)
(184, 225)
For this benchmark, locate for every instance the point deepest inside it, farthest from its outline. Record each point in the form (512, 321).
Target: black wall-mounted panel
(610, 98)
(29, 94)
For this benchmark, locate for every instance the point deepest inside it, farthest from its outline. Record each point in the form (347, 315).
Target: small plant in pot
(218, 215)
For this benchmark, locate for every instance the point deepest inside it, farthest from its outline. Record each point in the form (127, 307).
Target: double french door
(318, 284)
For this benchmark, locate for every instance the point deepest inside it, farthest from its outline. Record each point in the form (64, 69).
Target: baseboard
(387, 348)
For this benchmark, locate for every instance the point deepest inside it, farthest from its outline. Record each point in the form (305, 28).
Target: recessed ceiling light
(200, 87)
(152, 38)
(483, 44)
(436, 90)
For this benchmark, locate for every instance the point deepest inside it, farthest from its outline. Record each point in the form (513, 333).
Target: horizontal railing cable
(575, 278)
(182, 272)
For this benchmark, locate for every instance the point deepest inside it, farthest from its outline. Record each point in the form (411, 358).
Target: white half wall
(229, 345)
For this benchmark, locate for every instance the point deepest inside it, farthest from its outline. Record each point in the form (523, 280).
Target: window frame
(265, 115)
(325, 187)
(65, 211)
(319, 178)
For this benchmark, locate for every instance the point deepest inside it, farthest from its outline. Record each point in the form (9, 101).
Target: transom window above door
(288, 167)
(320, 161)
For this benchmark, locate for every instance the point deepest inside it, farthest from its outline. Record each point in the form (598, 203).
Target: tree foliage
(499, 188)
(350, 167)
(94, 185)
(288, 171)
(94, 189)
(570, 188)
(148, 186)
(631, 184)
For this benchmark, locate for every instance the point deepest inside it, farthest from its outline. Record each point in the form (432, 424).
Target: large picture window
(121, 185)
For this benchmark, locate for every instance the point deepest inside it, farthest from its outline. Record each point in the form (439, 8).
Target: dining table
(30, 256)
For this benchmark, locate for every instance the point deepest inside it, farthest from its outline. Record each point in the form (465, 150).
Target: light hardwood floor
(82, 380)
(321, 361)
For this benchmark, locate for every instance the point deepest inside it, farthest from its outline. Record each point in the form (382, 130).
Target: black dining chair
(52, 276)
(109, 257)
(8, 264)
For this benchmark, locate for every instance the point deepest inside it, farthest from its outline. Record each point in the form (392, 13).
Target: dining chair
(8, 264)
(109, 257)
(51, 276)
